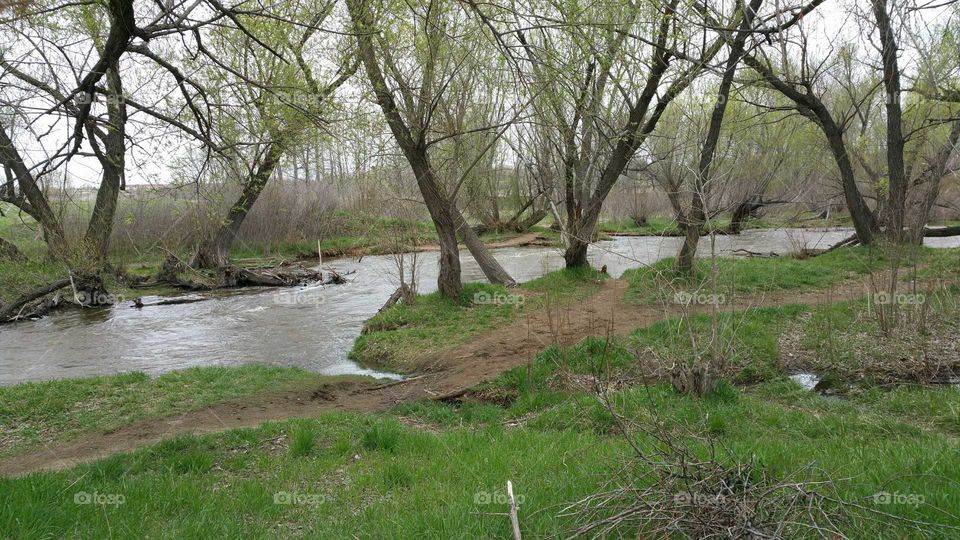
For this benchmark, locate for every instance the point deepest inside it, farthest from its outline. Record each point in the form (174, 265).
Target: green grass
(372, 476)
(46, 413)
(406, 338)
(847, 339)
(433, 469)
(762, 275)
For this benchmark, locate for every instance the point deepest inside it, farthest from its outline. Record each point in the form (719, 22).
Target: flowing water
(312, 327)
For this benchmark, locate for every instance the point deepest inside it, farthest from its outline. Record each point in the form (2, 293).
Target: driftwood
(174, 272)
(451, 396)
(138, 302)
(748, 253)
(15, 309)
(851, 240)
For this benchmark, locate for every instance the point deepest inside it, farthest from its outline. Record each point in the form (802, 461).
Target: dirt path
(463, 367)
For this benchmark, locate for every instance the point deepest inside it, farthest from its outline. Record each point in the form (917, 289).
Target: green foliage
(383, 435)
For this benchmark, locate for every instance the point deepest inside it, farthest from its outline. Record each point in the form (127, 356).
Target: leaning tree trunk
(536, 216)
(488, 264)
(745, 210)
(214, 252)
(864, 220)
(41, 210)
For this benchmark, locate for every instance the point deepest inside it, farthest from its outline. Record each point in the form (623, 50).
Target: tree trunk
(575, 256)
(42, 212)
(744, 211)
(934, 176)
(697, 215)
(214, 252)
(488, 264)
(112, 160)
(897, 194)
(864, 220)
(415, 150)
(536, 216)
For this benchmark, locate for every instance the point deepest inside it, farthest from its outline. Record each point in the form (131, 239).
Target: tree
(421, 80)
(599, 76)
(288, 101)
(695, 219)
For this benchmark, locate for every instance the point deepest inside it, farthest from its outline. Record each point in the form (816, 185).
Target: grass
(46, 413)
(434, 469)
(764, 275)
(406, 338)
(848, 340)
(379, 476)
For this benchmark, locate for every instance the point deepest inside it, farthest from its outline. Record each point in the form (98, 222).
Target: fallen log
(851, 240)
(748, 253)
(14, 310)
(941, 232)
(138, 302)
(174, 272)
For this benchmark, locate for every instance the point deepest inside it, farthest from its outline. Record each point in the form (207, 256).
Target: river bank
(313, 328)
(519, 408)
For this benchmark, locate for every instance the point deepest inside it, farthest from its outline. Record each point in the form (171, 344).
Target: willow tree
(599, 76)
(274, 68)
(871, 113)
(413, 58)
(743, 18)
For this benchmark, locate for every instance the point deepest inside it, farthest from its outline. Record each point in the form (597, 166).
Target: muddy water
(312, 327)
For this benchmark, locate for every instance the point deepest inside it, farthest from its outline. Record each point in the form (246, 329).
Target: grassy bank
(763, 275)
(406, 338)
(430, 469)
(46, 413)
